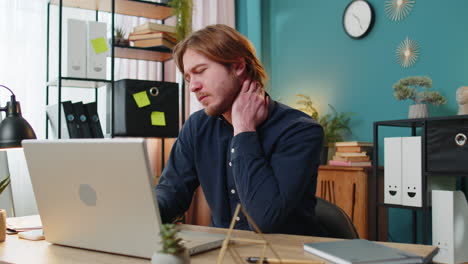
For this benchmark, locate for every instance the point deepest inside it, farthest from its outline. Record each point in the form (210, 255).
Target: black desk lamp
(14, 128)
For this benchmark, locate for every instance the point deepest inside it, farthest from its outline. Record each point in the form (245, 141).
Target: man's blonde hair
(224, 45)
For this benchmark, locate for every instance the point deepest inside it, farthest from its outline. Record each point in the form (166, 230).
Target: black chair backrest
(334, 220)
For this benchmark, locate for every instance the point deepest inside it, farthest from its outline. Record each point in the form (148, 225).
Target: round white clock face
(358, 18)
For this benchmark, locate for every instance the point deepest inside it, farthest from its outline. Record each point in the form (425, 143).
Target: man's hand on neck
(249, 109)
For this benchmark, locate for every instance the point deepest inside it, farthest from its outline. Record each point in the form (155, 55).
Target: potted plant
(407, 88)
(3, 184)
(335, 124)
(182, 9)
(119, 37)
(173, 252)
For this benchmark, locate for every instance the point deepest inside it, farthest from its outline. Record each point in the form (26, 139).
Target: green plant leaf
(4, 183)
(407, 88)
(171, 244)
(335, 124)
(182, 9)
(433, 97)
(119, 33)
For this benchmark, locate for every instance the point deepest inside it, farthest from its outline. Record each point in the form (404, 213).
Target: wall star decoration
(407, 52)
(398, 9)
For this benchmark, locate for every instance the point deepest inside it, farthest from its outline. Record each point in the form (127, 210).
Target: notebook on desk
(361, 251)
(97, 194)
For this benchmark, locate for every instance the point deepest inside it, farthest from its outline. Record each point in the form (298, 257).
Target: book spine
(156, 27)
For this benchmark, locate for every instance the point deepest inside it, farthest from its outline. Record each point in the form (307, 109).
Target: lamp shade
(14, 128)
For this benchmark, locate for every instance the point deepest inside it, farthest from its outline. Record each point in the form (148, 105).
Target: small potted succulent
(407, 88)
(3, 184)
(173, 252)
(119, 37)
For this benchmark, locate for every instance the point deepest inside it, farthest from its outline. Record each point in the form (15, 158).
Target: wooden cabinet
(350, 188)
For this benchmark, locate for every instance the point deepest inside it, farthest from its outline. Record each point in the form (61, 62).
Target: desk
(288, 246)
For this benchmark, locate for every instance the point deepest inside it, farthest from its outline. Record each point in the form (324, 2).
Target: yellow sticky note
(158, 118)
(141, 99)
(99, 45)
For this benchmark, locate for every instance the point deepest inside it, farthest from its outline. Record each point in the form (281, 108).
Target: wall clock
(358, 19)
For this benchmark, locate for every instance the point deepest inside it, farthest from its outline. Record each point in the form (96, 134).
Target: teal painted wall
(305, 50)
(248, 22)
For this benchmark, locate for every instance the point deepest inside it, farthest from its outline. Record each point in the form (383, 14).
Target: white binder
(96, 43)
(74, 46)
(411, 171)
(450, 226)
(392, 170)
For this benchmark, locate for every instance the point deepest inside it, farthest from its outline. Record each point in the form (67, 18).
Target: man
(243, 147)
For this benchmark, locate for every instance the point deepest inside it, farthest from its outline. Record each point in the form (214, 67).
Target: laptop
(98, 194)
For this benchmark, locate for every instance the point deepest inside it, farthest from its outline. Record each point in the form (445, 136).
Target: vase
(182, 258)
(418, 111)
(2, 225)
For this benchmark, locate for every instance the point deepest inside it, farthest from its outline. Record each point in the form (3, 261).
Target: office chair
(334, 220)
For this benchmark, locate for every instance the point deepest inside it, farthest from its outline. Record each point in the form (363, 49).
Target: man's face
(215, 86)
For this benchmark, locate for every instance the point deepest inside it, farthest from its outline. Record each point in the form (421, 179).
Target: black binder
(82, 120)
(69, 120)
(93, 119)
(132, 120)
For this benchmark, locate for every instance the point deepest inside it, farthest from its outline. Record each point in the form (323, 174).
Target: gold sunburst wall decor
(398, 9)
(407, 52)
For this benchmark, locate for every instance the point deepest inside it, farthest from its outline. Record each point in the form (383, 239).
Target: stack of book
(353, 153)
(153, 34)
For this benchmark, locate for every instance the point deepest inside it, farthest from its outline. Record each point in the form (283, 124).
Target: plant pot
(418, 111)
(121, 42)
(2, 225)
(182, 258)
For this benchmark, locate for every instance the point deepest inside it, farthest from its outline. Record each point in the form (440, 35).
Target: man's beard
(226, 102)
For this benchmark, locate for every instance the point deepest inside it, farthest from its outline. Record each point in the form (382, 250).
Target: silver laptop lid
(96, 194)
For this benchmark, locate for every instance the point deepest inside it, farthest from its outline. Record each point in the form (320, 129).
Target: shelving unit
(137, 53)
(124, 7)
(456, 123)
(138, 8)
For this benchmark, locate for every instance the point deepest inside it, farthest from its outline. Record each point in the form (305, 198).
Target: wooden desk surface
(17, 250)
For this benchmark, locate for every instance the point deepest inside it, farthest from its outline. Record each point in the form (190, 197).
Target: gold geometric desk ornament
(235, 254)
(232, 250)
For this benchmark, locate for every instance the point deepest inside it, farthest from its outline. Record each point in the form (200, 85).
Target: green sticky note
(99, 45)
(158, 118)
(141, 99)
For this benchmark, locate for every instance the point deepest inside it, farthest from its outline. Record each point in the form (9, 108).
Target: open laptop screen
(95, 194)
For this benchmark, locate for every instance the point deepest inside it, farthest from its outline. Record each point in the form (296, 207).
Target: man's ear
(239, 67)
